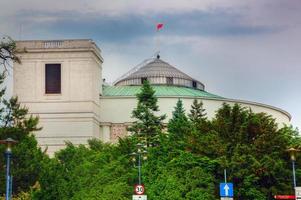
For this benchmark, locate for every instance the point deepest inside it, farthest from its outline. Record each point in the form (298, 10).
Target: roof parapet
(59, 45)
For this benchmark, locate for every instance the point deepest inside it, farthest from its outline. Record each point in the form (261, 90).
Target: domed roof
(159, 72)
(158, 67)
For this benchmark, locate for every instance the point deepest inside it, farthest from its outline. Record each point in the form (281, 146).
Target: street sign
(298, 192)
(139, 197)
(226, 198)
(226, 189)
(286, 197)
(139, 189)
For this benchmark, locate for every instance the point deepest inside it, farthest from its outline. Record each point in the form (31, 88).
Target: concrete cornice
(260, 104)
(76, 45)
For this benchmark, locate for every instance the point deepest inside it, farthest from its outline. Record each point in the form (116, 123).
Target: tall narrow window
(53, 78)
(194, 84)
(169, 80)
(143, 79)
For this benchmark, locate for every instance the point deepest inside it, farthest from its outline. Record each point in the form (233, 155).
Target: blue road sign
(226, 189)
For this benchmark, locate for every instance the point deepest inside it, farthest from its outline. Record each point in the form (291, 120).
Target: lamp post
(293, 154)
(141, 152)
(8, 142)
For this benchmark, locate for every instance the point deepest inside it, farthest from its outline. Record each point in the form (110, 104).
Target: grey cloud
(130, 27)
(242, 49)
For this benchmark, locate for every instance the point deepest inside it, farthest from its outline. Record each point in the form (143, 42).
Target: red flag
(159, 26)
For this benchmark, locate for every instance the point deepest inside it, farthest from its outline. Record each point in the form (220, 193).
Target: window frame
(194, 84)
(53, 89)
(143, 79)
(169, 80)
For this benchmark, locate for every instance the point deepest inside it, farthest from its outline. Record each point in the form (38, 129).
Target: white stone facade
(73, 115)
(125, 106)
(117, 110)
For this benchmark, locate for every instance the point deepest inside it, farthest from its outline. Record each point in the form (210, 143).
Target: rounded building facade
(170, 84)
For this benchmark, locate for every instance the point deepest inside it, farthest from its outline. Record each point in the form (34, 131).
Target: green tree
(8, 52)
(99, 171)
(148, 126)
(250, 145)
(179, 127)
(197, 113)
(15, 123)
(255, 152)
(202, 134)
(182, 176)
(172, 172)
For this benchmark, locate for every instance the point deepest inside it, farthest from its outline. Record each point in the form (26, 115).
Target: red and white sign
(139, 189)
(286, 197)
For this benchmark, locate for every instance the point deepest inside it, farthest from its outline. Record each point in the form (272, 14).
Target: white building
(61, 82)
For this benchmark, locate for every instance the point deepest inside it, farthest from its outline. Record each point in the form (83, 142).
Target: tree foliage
(255, 152)
(179, 127)
(101, 171)
(148, 126)
(8, 52)
(188, 163)
(16, 124)
(197, 113)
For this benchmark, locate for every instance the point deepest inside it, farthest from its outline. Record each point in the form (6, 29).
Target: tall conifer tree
(179, 126)
(148, 126)
(197, 112)
(198, 117)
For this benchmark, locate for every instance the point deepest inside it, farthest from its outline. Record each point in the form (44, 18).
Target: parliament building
(61, 82)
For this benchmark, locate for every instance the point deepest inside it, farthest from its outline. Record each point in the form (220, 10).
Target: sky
(248, 50)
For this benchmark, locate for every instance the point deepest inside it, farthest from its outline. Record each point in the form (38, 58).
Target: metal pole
(139, 168)
(294, 174)
(8, 155)
(225, 174)
(10, 186)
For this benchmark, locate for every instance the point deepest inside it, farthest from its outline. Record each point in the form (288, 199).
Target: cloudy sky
(242, 49)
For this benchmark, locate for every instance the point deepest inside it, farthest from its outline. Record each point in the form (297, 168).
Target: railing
(53, 44)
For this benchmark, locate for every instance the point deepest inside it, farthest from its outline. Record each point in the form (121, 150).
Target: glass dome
(159, 72)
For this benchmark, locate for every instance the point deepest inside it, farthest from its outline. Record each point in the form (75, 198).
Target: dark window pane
(53, 78)
(169, 80)
(143, 79)
(194, 84)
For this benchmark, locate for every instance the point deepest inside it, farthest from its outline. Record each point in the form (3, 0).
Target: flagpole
(157, 50)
